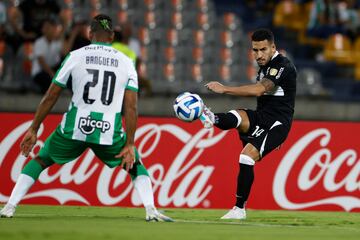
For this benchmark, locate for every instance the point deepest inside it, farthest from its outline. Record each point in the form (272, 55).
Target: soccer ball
(188, 106)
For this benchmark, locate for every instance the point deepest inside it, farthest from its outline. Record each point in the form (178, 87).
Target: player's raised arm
(256, 89)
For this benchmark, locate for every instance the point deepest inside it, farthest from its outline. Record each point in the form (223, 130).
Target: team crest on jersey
(87, 125)
(273, 71)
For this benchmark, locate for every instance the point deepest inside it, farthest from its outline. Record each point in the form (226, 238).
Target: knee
(137, 170)
(245, 123)
(229, 120)
(247, 160)
(43, 163)
(250, 152)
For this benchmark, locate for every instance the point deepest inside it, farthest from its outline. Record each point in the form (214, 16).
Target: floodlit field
(64, 222)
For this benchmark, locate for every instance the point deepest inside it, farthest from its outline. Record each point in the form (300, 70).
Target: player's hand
(128, 156)
(28, 142)
(215, 87)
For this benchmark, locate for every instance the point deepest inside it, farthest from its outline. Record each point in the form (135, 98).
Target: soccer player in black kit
(266, 128)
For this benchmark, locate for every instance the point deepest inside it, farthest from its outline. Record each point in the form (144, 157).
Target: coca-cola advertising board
(317, 168)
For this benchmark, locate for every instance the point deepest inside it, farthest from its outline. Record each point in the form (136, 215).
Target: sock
(245, 180)
(22, 186)
(33, 169)
(228, 120)
(143, 187)
(138, 170)
(27, 178)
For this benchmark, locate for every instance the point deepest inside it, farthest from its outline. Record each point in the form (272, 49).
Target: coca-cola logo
(327, 167)
(319, 168)
(186, 175)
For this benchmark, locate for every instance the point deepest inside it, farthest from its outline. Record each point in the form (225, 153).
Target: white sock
(237, 115)
(245, 159)
(143, 187)
(22, 186)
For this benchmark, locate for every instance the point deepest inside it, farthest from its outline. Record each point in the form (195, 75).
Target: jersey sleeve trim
(57, 72)
(59, 83)
(132, 88)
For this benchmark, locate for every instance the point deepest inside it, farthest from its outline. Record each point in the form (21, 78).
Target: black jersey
(278, 104)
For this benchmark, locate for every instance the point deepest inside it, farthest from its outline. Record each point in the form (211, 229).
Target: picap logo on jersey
(88, 125)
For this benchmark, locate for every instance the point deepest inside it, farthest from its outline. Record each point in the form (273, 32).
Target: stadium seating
(205, 41)
(356, 50)
(338, 48)
(309, 83)
(204, 5)
(176, 5)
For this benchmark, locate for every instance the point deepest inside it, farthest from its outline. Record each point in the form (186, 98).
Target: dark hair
(101, 23)
(262, 34)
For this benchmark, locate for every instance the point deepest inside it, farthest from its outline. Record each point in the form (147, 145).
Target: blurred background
(179, 45)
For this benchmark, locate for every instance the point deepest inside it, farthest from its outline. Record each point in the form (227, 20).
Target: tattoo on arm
(268, 84)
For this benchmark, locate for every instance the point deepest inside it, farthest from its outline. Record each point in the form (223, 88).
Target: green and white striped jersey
(99, 76)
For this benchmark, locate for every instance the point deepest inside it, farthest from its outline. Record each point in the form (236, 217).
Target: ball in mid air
(188, 106)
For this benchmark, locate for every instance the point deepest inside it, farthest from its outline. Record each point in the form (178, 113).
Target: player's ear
(91, 35)
(273, 47)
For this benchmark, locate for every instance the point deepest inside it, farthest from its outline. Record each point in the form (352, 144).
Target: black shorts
(265, 133)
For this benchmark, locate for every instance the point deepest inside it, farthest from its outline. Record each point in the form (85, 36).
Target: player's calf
(229, 120)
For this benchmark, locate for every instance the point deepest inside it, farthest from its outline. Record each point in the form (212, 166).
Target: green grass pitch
(35, 222)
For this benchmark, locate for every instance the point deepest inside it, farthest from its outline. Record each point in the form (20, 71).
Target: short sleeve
(63, 73)
(275, 73)
(132, 83)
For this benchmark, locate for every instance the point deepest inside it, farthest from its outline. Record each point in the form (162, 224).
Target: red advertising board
(317, 168)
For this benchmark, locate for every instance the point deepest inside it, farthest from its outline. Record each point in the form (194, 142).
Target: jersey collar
(101, 43)
(275, 55)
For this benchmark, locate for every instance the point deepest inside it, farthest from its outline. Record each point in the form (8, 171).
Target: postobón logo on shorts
(88, 125)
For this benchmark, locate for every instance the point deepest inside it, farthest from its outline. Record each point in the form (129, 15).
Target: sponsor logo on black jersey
(280, 72)
(87, 125)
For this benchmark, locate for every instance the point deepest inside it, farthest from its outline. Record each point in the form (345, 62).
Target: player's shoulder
(76, 52)
(283, 61)
(92, 49)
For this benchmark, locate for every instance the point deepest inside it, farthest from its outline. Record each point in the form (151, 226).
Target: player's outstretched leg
(27, 178)
(7, 211)
(207, 117)
(153, 215)
(224, 121)
(142, 184)
(244, 183)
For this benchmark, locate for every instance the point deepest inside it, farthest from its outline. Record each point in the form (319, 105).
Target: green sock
(137, 170)
(32, 169)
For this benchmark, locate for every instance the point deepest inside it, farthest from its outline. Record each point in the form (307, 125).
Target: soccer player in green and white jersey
(104, 81)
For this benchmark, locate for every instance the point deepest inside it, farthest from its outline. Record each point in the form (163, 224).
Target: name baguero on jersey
(99, 76)
(278, 104)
